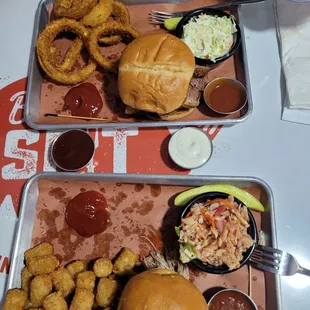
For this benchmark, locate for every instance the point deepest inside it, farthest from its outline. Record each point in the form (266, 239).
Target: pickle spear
(247, 199)
(172, 23)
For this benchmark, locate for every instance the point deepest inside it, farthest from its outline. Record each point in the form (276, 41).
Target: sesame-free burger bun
(161, 289)
(154, 73)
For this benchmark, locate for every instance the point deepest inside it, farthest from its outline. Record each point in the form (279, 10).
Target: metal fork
(276, 261)
(158, 17)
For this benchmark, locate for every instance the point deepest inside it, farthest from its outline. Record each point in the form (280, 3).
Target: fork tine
(157, 18)
(266, 262)
(263, 267)
(162, 13)
(266, 255)
(156, 22)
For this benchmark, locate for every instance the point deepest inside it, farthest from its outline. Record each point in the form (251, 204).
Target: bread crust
(161, 289)
(154, 73)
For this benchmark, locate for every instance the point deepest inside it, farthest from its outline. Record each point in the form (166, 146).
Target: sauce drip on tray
(87, 213)
(84, 100)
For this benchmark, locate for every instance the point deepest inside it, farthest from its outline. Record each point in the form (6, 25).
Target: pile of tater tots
(46, 285)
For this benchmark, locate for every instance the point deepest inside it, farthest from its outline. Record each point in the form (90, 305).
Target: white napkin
(293, 26)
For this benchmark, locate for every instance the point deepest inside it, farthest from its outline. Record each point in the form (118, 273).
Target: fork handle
(230, 3)
(304, 271)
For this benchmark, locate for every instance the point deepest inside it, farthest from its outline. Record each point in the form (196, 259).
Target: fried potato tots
(15, 300)
(86, 280)
(42, 264)
(83, 300)
(62, 281)
(106, 291)
(26, 277)
(40, 287)
(41, 249)
(55, 301)
(125, 262)
(75, 268)
(103, 267)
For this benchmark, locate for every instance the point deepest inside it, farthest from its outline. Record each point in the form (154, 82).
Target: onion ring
(70, 58)
(108, 29)
(121, 13)
(44, 50)
(99, 14)
(112, 40)
(75, 9)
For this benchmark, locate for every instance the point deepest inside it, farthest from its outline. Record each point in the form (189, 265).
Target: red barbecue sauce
(87, 213)
(84, 100)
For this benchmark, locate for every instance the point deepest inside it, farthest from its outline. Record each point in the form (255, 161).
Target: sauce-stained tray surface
(44, 96)
(142, 216)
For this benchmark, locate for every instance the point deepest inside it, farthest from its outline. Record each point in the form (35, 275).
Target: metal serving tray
(35, 78)
(30, 196)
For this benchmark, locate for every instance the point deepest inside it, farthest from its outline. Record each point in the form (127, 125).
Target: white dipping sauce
(190, 147)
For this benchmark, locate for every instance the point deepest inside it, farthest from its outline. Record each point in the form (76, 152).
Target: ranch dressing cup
(190, 148)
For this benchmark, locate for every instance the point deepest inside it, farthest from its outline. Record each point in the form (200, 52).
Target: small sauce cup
(190, 148)
(225, 95)
(72, 150)
(231, 299)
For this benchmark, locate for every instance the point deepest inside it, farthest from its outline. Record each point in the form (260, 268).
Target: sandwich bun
(154, 73)
(172, 116)
(161, 289)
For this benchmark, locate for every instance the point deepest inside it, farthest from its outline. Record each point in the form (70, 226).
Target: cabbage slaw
(209, 36)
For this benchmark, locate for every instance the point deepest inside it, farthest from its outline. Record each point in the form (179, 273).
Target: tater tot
(55, 301)
(42, 264)
(15, 300)
(40, 287)
(83, 300)
(75, 268)
(86, 280)
(41, 249)
(106, 291)
(26, 277)
(103, 267)
(125, 262)
(62, 281)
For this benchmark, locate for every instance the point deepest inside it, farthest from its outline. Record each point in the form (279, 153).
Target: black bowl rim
(210, 11)
(218, 269)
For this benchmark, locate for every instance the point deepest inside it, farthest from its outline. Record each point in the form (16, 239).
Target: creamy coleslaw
(209, 36)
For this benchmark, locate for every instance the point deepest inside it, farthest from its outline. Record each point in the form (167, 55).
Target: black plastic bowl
(236, 36)
(252, 231)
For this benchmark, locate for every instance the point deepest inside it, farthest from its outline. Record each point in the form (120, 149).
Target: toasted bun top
(154, 73)
(161, 289)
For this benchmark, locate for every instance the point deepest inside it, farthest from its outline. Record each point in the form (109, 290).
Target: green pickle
(172, 23)
(247, 199)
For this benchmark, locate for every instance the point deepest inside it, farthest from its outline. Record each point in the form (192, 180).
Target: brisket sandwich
(155, 77)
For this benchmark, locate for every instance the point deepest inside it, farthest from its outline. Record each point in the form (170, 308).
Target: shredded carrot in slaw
(209, 218)
(223, 201)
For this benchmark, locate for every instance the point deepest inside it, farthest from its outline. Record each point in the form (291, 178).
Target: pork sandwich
(161, 289)
(154, 76)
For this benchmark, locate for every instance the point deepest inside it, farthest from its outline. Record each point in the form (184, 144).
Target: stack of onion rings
(46, 54)
(90, 21)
